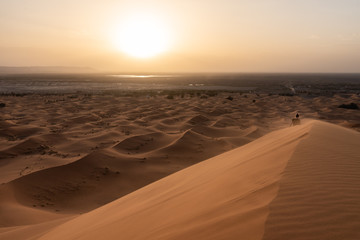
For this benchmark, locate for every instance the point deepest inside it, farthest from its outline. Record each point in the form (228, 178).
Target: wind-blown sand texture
(66, 155)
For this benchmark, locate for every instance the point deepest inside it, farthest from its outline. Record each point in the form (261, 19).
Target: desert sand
(150, 167)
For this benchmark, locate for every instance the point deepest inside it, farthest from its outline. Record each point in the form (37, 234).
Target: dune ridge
(270, 188)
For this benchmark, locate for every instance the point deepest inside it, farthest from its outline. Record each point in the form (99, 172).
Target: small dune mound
(237, 141)
(95, 177)
(4, 124)
(253, 132)
(156, 116)
(199, 119)
(105, 137)
(84, 119)
(53, 138)
(19, 132)
(215, 132)
(193, 147)
(225, 122)
(172, 121)
(188, 142)
(218, 112)
(29, 146)
(166, 128)
(144, 143)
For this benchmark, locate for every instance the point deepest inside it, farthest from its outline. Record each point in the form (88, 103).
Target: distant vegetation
(349, 106)
(182, 86)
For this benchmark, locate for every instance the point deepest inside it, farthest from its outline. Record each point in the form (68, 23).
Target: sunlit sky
(184, 35)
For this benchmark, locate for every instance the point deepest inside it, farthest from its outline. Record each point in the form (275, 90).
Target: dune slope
(320, 188)
(296, 183)
(301, 182)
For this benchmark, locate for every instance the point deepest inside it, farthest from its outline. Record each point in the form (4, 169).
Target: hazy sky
(205, 35)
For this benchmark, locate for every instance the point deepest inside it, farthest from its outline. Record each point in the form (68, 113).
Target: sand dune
(65, 155)
(80, 137)
(107, 174)
(296, 183)
(144, 143)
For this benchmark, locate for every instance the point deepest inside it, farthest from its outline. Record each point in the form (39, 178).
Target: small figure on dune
(295, 121)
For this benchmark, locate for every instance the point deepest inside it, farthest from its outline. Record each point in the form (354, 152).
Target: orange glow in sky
(183, 36)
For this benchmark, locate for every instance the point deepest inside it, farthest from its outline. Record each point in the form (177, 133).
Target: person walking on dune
(295, 121)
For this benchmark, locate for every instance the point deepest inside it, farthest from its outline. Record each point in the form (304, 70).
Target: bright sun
(141, 36)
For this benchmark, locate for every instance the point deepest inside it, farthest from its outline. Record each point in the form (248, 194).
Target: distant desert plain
(179, 165)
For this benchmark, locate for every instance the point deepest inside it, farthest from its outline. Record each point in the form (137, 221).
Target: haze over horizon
(183, 36)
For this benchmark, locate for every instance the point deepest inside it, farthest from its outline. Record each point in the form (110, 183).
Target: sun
(142, 36)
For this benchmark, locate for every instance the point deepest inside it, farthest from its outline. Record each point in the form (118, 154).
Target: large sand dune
(62, 156)
(296, 183)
